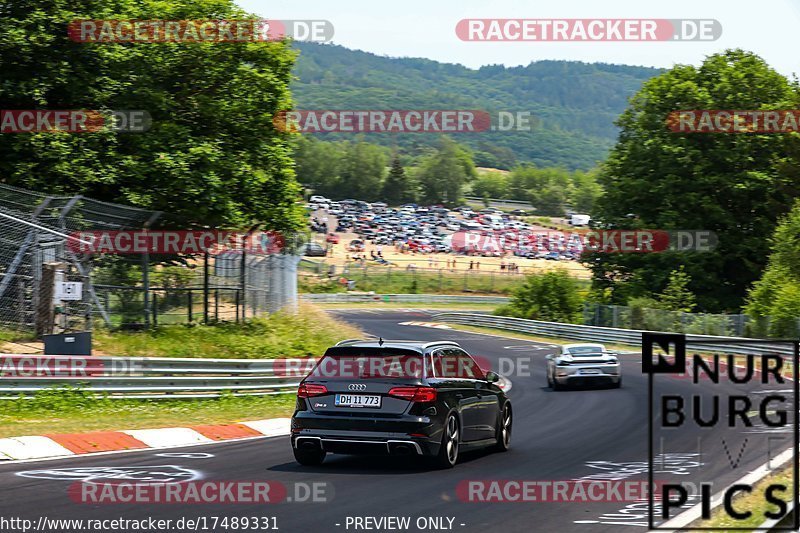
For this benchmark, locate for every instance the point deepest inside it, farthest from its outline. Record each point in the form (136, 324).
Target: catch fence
(41, 257)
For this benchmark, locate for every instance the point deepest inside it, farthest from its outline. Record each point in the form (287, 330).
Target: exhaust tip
(309, 444)
(401, 449)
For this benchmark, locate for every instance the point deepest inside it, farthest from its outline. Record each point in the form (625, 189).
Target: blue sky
(426, 28)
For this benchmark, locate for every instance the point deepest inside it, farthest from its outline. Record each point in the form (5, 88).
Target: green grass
(400, 281)
(76, 411)
(10, 335)
(753, 502)
(307, 333)
(549, 222)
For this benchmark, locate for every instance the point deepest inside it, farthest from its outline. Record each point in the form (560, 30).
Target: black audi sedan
(429, 399)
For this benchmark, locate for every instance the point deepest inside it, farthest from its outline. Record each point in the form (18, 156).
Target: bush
(312, 285)
(677, 296)
(785, 311)
(641, 313)
(552, 296)
(708, 324)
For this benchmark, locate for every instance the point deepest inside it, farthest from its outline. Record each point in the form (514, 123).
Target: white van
(579, 220)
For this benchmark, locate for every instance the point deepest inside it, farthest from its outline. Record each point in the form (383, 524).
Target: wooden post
(45, 315)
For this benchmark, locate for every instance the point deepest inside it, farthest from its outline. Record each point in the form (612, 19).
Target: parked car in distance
(313, 249)
(356, 245)
(332, 238)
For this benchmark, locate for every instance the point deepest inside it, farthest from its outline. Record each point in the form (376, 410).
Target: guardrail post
(155, 309)
(146, 287)
(237, 305)
(205, 288)
(243, 280)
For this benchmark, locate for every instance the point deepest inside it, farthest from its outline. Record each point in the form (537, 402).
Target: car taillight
(307, 390)
(414, 394)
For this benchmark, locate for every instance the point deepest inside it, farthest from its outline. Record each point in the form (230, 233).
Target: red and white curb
(72, 444)
(435, 325)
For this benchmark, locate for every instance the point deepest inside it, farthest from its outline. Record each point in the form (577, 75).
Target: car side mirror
(492, 377)
(548, 356)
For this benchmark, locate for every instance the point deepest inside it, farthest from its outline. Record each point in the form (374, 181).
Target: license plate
(589, 371)
(357, 400)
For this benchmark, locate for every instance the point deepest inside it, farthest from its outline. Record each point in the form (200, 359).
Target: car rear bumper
(407, 435)
(573, 374)
(374, 446)
(587, 379)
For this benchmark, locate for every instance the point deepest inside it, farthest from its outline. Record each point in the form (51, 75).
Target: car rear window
(368, 365)
(580, 351)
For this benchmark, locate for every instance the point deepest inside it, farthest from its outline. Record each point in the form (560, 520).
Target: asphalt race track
(562, 435)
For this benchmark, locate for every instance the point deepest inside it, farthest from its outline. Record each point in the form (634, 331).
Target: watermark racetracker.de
(73, 121)
(182, 242)
(585, 241)
(67, 366)
(401, 121)
(197, 31)
(734, 121)
(588, 30)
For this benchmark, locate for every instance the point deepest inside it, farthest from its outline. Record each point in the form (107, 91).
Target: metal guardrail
(148, 377)
(725, 345)
(497, 202)
(410, 298)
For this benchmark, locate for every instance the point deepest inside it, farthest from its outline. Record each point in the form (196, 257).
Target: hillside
(574, 103)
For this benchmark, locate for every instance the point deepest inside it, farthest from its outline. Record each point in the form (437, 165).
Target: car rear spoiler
(346, 341)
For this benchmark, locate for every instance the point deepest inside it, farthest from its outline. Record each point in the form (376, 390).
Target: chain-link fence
(738, 325)
(42, 245)
(33, 263)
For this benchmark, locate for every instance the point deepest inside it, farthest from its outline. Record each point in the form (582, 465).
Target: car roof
(419, 346)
